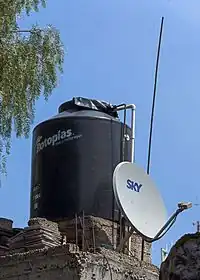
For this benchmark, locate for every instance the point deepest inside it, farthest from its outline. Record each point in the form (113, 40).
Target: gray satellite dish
(139, 200)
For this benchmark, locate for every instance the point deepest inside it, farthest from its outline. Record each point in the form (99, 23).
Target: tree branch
(24, 31)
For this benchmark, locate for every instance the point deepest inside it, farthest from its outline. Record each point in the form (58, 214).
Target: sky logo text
(134, 186)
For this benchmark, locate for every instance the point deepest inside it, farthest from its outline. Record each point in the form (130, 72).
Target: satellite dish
(138, 199)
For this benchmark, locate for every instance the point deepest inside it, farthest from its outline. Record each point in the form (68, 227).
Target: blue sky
(110, 54)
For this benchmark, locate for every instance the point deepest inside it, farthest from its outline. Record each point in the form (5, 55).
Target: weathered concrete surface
(65, 262)
(183, 261)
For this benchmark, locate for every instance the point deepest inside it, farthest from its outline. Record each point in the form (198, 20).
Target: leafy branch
(29, 67)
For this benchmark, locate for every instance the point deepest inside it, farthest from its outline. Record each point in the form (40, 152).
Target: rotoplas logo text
(56, 139)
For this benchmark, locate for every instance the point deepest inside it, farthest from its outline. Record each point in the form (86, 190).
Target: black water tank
(73, 158)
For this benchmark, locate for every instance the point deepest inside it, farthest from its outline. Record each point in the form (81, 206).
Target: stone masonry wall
(100, 232)
(65, 262)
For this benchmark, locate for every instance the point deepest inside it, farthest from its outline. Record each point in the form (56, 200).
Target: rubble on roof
(39, 234)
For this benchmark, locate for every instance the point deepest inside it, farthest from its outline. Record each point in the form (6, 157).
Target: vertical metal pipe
(120, 218)
(76, 231)
(113, 196)
(122, 222)
(133, 124)
(93, 236)
(83, 231)
(113, 217)
(124, 135)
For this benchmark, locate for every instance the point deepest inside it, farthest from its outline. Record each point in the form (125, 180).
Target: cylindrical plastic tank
(73, 158)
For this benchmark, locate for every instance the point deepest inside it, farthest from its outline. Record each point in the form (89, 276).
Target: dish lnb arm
(181, 207)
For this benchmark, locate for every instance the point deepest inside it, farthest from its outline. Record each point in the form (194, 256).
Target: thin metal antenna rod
(198, 226)
(197, 222)
(152, 112)
(154, 98)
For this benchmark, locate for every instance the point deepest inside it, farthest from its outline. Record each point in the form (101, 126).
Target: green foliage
(29, 64)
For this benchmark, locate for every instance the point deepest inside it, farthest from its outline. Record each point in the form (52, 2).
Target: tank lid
(81, 103)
